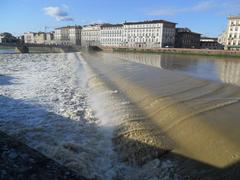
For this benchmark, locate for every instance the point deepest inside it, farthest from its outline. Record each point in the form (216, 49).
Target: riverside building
(233, 33)
(90, 35)
(185, 38)
(69, 35)
(39, 38)
(210, 43)
(29, 37)
(111, 35)
(49, 38)
(7, 38)
(222, 38)
(231, 37)
(149, 34)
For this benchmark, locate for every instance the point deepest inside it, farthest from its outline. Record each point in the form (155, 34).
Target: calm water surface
(7, 51)
(226, 70)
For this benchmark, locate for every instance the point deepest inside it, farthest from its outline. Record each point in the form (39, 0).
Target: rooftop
(234, 17)
(150, 22)
(185, 30)
(69, 27)
(112, 25)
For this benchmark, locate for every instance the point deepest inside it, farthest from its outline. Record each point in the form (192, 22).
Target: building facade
(39, 38)
(69, 35)
(210, 43)
(90, 35)
(49, 38)
(222, 39)
(29, 37)
(185, 38)
(233, 33)
(149, 34)
(112, 35)
(7, 38)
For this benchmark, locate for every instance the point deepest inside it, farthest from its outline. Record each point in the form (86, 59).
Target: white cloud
(57, 13)
(171, 11)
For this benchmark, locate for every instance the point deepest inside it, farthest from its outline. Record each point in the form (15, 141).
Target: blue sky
(204, 16)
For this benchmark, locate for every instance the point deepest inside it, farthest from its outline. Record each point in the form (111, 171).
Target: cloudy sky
(207, 17)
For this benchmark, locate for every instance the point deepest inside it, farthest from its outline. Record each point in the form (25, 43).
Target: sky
(208, 17)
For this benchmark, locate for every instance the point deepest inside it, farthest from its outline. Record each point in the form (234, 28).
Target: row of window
(111, 40)
(234, 35)
(234, 29)
(111, 32)
(143, 26)
(234, 43)
(144, 35)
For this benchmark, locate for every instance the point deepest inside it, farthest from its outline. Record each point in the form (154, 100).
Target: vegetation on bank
(181, 52)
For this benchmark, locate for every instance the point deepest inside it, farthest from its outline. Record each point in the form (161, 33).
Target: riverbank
(201, 52)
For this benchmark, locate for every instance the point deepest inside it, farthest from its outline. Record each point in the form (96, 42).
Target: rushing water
(126, 115)
(187, 105)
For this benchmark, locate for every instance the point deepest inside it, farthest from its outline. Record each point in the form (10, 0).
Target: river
(7, 51)
(126, 115)
(185, 105)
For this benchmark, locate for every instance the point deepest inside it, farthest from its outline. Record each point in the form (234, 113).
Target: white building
(232, 33)
(69, 35)
(49, 38)
(90, 35)
(39, 37)
(149, 34)
(29, 37)
(222, 38)
(111, 35)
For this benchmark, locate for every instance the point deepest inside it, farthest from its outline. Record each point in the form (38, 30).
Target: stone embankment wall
(49, 49)
(39, 48)
(206, 52)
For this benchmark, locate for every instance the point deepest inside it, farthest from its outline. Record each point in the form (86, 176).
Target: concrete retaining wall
(206, 52)
(49, 49)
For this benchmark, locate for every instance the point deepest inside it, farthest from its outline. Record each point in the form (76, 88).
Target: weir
(41, 48)
(159, 113)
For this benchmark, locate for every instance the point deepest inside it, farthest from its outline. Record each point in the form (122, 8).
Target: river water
(225, 70)
(185, 105)
(126, 115)
(7, 51)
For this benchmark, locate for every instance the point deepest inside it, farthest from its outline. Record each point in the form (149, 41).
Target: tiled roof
(69, 27)
(149, 22)
(112, 25)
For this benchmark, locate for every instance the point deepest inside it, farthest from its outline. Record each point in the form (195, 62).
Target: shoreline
(180, 51)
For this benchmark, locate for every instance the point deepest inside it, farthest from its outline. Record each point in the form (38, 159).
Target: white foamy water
(44, 103)
(56, 104)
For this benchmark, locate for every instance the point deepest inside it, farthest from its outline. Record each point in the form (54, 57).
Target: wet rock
(152, 164)
(13, 155)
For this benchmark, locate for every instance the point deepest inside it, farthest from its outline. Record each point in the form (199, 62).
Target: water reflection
(7, 51)
(224, 70)
(229, 72)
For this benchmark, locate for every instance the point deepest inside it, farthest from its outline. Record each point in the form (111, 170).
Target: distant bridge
(40, 48)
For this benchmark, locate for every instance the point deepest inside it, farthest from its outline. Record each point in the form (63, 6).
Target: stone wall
(206, 52)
